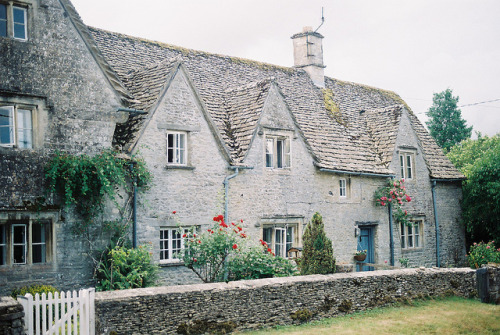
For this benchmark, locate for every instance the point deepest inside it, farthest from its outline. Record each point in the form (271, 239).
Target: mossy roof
(233, 91)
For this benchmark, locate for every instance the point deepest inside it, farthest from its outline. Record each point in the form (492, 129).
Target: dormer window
(16, 127)
(406, 164)
(277, 152)
(14, 21)
(177, 148)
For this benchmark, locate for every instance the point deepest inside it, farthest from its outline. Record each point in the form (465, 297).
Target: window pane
(3, 247)
(267, 235)
(38, 233)
(19, 22)
(38, 242)
(342, 186)
(3, 20)
(269, 152)
(6, 125)
(3, 12)
(279, 153)
(19, 243)
(287, 162)
(408, 165)
(402, 162)
(403, 236)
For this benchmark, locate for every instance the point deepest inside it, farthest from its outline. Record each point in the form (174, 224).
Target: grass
(451, 315)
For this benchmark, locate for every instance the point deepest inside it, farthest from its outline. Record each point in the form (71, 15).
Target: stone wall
(489, 283)
(11, 317)
(268, 302)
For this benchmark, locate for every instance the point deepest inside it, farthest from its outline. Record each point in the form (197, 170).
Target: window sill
(412, 249)
(179, 167)
(167, 264)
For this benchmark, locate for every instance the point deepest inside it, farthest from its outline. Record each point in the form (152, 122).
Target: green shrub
(33, 289)
(483, 253)
(126, 268)
(256, 263)
(317, 254)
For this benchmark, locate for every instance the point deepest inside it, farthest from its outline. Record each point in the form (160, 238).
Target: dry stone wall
(268, 302)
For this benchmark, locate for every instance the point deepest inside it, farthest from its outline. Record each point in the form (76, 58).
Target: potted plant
(360, 255)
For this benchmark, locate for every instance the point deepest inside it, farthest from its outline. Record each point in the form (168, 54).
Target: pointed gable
(331, 121)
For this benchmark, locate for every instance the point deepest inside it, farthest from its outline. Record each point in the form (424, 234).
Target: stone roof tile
(233, 91)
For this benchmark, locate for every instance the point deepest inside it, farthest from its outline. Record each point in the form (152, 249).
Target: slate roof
(234, 90)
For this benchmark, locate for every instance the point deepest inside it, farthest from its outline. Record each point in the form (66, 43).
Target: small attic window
(177, 148)
(14, 21)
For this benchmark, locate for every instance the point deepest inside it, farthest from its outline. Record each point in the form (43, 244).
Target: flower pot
(360, 258)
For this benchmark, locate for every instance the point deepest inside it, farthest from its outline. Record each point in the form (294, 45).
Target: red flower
(241, 220)
(199, 241)
(243, 235)
(194, 259)
(235, 246)
(232, 223)
(174, 212)
(269, 250)
(408, 198)
(273, 254)
(240, 229)
(382, 203)
(184, 235)
(222, 224)
(194, 235)
(219, 218)
(406, 213)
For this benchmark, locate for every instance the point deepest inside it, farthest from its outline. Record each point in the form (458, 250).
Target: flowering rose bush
(221, 253)
(258, 262)
(207, 253)
(483, 253)
(395, 195)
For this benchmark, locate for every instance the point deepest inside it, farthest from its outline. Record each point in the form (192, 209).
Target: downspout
(391, 235)
(438, 257)
(226, 187)
(226, 192)
(134, 208)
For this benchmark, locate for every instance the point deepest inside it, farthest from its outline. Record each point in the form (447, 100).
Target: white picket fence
(67, 313)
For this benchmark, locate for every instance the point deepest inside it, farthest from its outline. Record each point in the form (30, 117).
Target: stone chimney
(308, 54)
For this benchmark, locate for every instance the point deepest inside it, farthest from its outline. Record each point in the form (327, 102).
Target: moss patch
(332, 107)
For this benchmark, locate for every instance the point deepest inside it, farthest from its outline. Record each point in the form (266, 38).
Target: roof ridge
(187, 51)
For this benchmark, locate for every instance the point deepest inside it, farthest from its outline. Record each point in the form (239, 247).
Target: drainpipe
(438, 257)
(134, 209)
(226, 192)
(226, 187)
(391, 235)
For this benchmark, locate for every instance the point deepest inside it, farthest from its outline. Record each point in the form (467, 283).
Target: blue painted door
(365, 242)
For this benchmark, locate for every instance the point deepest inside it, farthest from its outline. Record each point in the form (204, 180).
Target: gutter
(131, 111)
(226, 187)
(365, 174)
(436, 221)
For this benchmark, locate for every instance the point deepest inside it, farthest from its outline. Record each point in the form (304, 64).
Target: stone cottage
(267, 144)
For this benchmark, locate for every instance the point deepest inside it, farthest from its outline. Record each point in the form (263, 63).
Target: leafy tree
(479, 161)
(445, 123)
(317, 255)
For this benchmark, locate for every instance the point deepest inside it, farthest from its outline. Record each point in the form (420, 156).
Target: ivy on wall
(86, 181)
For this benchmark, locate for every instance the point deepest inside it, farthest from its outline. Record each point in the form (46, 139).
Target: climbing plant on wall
(85, 181)
(394, 194)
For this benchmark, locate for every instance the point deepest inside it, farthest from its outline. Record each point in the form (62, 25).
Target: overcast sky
(415, 48)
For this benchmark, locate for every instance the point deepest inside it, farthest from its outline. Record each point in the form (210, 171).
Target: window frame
(179, 155)
(170, 249)
(411, 237)
(407, 165)
(289, 237)
(16, 129)
(9, 244)
(24, 23)
(10, 22)
(278, 152)
(343, 188)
